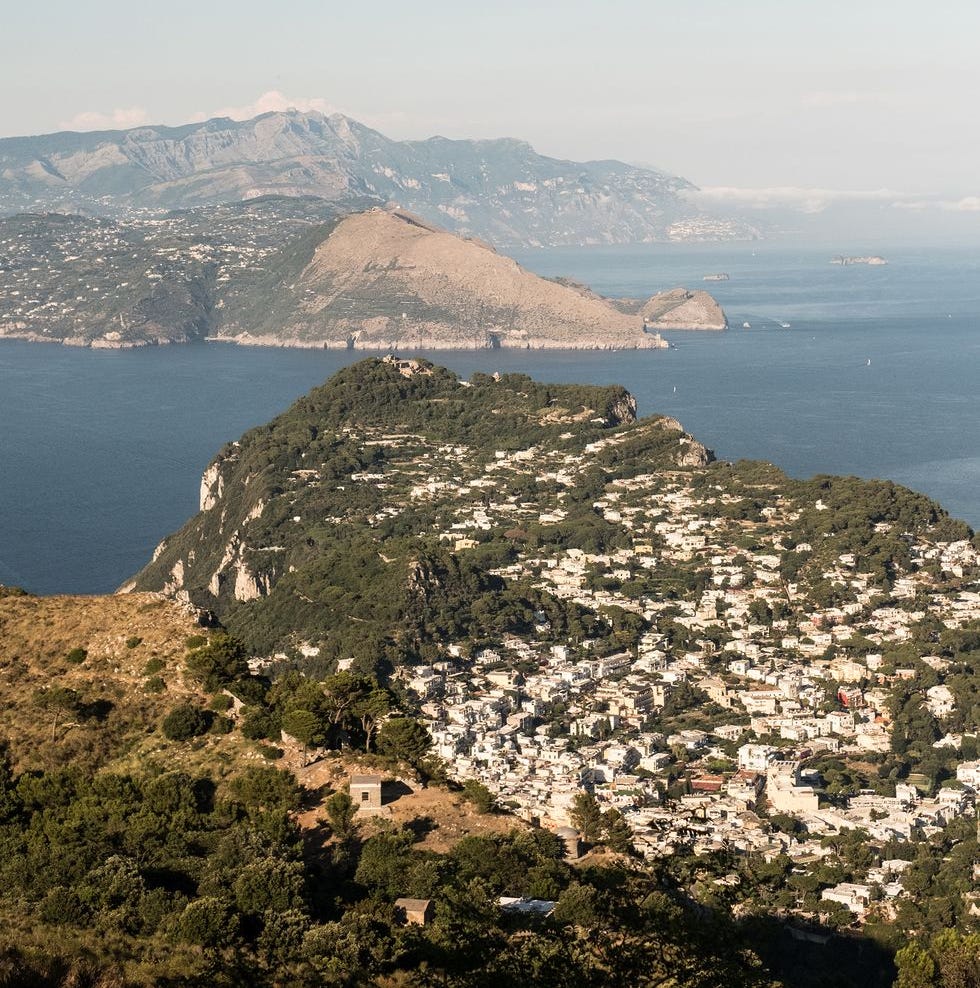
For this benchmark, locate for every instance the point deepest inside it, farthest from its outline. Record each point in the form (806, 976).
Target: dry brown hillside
(130, 677)
(385, 279)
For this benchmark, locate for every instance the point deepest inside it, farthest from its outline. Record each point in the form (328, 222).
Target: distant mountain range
(500, 190)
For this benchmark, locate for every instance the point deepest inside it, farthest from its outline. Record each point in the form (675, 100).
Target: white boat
(746, 325)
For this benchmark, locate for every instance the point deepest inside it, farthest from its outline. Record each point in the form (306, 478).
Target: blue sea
(876, 374)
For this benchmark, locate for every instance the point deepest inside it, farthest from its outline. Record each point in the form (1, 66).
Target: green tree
(479, 795)
(586, 817)
(186, 721)
(616, 832)
(916, 968)
(265, 788)
(210, 923)
(578, 906)
(958, 955)
(369, 709)
(304, 725)
(341, 811)
(61, 702)
(270, 883)
(406, 739)
(220, 662)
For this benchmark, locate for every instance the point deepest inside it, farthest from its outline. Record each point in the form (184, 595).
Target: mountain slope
(294, 272)
(397, 510)
(384, 279)
(85, 679)
(331, 522)
(500, 190)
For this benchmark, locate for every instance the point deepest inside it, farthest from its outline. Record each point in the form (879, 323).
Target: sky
(796, 103)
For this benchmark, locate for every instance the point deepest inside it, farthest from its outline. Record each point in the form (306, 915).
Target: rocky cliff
(500, 190)
(683, 309)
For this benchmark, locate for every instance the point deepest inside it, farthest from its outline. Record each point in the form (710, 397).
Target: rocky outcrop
(623, 411)
(212, 484)
(691, 453)
(683, 309)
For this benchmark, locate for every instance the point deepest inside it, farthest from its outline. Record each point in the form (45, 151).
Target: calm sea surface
(101, 452)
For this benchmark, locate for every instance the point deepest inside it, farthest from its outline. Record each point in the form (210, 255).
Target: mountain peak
(500, 190)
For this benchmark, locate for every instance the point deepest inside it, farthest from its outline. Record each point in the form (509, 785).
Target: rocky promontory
(288, 274)
(683, 309)
(372, 455)
(385, 279)
(875, 260)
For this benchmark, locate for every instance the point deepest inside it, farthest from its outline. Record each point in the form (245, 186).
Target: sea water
(876, 375)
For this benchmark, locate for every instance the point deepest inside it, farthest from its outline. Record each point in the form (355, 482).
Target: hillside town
(74, 279)
(700, 742)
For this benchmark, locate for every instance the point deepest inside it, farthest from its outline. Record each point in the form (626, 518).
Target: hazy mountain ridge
(501, 190)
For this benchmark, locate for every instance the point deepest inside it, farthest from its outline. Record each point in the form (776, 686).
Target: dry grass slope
(121, 700)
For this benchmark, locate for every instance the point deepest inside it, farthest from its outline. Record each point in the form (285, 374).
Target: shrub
(220, 661)
(266, 788)
(221, 702)
(185, 722)
(479, 795)
(76, 656)
(134, 641)
(153, 666)
(259, 723)
(194, 641)
(155, 684)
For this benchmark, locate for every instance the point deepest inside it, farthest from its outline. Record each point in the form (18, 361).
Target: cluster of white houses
(579, 720)
(539, 719)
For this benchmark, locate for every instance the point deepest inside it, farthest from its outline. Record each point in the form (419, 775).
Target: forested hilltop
(639, 716)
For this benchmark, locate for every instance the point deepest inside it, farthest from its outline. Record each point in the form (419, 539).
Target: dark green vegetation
(363, 571)
(170, 876)
(398, 516)
(168, 879)
(329, 525)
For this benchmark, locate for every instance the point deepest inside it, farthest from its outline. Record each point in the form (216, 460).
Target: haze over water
(101, 452)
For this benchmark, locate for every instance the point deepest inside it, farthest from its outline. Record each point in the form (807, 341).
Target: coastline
(653, 341)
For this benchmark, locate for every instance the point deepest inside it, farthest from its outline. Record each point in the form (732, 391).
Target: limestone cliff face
(212, 484)
(689, 452)
(385, 279)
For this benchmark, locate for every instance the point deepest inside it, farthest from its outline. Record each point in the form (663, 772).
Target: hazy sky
(863, 96)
